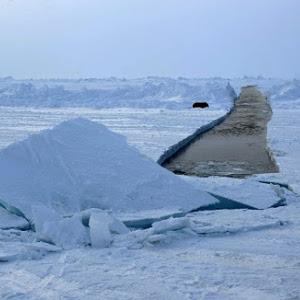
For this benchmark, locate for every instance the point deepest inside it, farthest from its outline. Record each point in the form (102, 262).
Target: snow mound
(79, 165)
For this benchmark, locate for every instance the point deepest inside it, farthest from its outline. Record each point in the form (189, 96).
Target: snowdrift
(79, 165)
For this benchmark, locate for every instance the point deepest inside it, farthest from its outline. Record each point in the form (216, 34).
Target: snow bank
(80, 164)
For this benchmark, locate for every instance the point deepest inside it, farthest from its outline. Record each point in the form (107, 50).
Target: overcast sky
(134, 38)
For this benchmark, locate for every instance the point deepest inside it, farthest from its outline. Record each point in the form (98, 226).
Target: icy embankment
(52, 177)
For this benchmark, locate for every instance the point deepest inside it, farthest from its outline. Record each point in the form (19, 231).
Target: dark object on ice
(200, 105)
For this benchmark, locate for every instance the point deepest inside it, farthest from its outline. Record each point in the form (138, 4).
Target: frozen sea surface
(151, 131)
(227, 254)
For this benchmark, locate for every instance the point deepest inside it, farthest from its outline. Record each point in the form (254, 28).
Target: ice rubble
(53, 176)
(150, 92)
(10, 251)
(102, 225)
(66, 232)
(80, 164)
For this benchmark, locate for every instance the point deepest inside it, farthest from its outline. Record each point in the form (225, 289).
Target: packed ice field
(220, 254)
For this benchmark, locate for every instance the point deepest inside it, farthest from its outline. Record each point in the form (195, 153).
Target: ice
(115, 225)
(100, 233)
(224, 222)
(151, 131)
(282, 93)
(10, 251)
(161, 232)
(80, 164)
(92, 226)
(235, 254)
(144, 219)
(254, 194)
(9, 220)
(150, 92)
(68, 232)
(113, 92)
(170, 224)
(102, 225)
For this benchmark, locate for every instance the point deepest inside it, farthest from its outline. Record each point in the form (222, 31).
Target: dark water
(236, 148)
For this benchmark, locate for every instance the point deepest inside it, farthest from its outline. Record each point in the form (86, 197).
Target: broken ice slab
(102, 225)
(10, 251)
(246, 193)
(12, 221)
(225, 222)
(94, 227)
(66, 232)
(170, 224)
(74, 166)
(144, 219)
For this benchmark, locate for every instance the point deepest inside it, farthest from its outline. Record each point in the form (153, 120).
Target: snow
(224, 254)
(283, 136)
